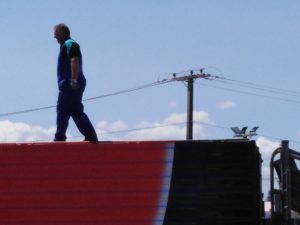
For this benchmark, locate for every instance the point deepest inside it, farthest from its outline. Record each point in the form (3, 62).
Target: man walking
(71, 85)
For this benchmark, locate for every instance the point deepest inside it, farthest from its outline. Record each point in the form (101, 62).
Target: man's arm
(74, 68)
(74, 72)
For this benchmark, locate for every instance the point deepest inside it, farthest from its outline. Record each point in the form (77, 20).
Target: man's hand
(74, 84)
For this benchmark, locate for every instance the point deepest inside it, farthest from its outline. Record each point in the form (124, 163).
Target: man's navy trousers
(69, 104)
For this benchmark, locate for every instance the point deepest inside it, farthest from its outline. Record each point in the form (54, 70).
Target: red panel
(81, 183)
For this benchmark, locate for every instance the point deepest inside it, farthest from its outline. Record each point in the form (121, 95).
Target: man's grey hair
(63, 28)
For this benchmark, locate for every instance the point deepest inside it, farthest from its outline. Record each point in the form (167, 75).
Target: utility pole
(190, 107)
(190, 97)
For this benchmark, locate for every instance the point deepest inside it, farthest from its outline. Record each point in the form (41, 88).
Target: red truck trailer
(128, 183)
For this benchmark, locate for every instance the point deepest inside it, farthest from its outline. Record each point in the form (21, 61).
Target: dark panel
(295, 182)
(215, 182)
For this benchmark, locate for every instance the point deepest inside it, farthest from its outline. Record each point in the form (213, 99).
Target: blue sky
(130, 43)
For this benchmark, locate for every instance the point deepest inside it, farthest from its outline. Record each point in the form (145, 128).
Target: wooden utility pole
(190, 98)
(190, 107)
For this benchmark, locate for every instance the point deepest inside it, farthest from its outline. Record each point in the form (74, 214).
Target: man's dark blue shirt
(68, 50)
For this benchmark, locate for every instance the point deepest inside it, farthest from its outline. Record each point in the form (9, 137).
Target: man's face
(59, 36)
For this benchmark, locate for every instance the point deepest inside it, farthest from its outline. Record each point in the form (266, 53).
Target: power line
(263, 87)
(26, 111)
(178, 124)
(252, 85)
(92, 98)
(147, 128)
(183, 78)
(196, 122)
(163, 125)
(156, 83)
(131, 89)
(259, 88)
(251, 93)
(127, 130)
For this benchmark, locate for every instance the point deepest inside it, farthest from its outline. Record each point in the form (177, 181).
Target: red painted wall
(83, 183)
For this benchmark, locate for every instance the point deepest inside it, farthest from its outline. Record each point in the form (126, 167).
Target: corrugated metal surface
(145, 183)
(82, 183)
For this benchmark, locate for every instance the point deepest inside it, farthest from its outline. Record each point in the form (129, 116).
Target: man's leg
(61, 126)
(85, 126)
(82, 121)
(62, 119)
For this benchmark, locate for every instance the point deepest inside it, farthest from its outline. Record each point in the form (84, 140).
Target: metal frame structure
(281, 199)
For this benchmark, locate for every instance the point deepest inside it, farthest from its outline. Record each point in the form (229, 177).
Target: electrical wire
(251, 93)
(175, 124)
(264, 87)
(223, 79)
(125, 130)
(92, 98)
(145, 128)
(26, 111)
(168, 80)
(130, 89)
(141, 128)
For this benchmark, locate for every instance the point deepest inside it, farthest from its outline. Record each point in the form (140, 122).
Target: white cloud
(227, 105)
(114, 126)
(171, 128)
(266, 148)
(105, 129)
(22, 132)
